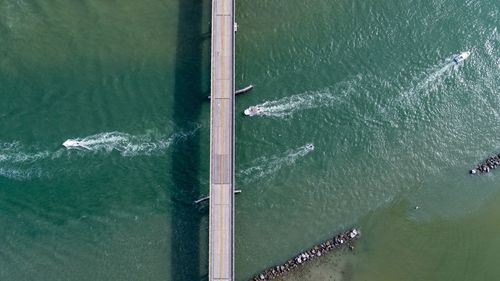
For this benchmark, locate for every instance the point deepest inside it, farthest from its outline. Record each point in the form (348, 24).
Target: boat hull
(252, 111)
(460, 58)
(74, 144)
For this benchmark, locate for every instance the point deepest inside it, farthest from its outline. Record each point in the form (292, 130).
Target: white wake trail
(430, 81)
(12, 153)
(16, 161)
(327, 97)
(132, 145)
(266, 167)
(21, 162)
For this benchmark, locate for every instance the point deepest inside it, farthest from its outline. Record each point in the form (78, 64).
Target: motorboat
(252, 110)
(309, 147)
(70, 143)
(460, 58)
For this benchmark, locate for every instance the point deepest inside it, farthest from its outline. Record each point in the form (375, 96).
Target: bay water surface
(395, 123)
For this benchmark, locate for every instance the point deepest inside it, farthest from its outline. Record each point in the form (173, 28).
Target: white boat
(252, 110)
(460, 58)
(309, 147)
(70, 143)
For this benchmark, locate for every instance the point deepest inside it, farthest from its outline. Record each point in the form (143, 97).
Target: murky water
(394, 122)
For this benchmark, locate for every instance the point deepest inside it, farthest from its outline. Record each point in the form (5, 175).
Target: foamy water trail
(412, 97)
(327, 97)
(17, 161)
(20, 162)
(289, 105)
(13, 153)
(266, 167)
(432, 78)
(20, 174)
(131, 145)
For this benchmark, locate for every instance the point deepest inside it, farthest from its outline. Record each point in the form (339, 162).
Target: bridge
(221, 225)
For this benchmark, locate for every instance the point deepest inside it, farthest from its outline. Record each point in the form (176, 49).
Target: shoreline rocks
(488, 165)
(337, 242)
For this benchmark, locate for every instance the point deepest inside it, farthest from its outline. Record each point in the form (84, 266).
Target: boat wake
(13, 153)
(18, 162)
(266, 167)
(21, 162)
(432, 79)
(127, 144)
(21, 174)
(287, 106)
(416, 97)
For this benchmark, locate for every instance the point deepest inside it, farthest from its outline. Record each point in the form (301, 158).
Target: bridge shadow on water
(185, 170)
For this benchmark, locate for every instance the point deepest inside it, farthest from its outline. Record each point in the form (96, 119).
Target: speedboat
(309, 147)
(252, 110)
(460, 58)
(70, 143)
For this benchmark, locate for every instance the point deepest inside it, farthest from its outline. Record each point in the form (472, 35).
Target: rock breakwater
(488, 165)
(337, 242)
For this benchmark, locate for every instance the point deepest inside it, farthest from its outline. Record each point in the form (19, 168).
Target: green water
(394, 123)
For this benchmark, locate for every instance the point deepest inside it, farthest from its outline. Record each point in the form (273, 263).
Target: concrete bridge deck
(221, 229)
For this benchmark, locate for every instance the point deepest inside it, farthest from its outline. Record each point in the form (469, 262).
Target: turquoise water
(394, 123)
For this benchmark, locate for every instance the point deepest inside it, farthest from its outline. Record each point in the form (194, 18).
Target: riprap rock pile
(485, 167)
(317, 251)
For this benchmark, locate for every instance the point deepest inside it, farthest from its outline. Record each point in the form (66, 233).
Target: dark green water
(394, 123)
